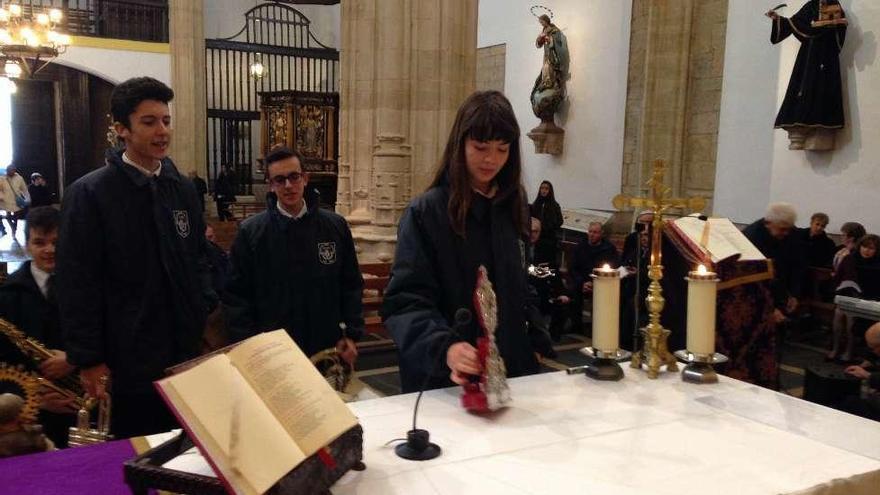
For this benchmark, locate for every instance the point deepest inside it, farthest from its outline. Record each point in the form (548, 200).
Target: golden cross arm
(623, 202)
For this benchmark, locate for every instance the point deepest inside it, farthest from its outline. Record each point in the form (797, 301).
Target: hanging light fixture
(258, 70)
(29, 43)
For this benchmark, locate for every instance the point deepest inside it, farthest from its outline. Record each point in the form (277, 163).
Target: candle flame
(606, 267)
(702, 270)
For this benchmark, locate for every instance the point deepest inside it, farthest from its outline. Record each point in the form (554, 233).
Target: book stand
(145, 471)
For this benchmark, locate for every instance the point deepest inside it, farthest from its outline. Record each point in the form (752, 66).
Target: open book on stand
(714, 240)
(257, 410)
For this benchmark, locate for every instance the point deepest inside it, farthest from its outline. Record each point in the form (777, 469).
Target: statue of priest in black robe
(813, 106)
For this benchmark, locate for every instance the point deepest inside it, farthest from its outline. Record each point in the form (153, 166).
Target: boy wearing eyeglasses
(294, 267)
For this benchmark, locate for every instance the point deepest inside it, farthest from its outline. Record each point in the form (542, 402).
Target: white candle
(702, 292)
(606, 309)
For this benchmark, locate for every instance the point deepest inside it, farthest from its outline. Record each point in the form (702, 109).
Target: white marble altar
(567, 434)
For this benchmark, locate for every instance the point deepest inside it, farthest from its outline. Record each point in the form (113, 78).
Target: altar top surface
(568, 434)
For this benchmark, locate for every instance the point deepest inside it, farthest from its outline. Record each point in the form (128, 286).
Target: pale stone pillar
(674, 93)
(406, 65)
(188, 109)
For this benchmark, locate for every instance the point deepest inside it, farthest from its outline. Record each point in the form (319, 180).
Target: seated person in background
(773, 236)
(631, 243)
(852, 232)
(849, 273)
(820, 248)
(294, 266)
(849, 282)
(634, 287)
(27, 300)
(592, 252)
(869, 406)
(842, 322)
(551, 299)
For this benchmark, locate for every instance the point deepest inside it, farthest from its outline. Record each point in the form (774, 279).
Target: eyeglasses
(293, 177)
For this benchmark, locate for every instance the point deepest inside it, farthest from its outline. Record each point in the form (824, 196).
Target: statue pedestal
(548, 138)
(811, 138)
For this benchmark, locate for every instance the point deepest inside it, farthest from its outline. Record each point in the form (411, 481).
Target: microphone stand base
(418, 447)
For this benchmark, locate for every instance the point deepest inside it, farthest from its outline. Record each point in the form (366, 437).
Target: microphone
(418, 446)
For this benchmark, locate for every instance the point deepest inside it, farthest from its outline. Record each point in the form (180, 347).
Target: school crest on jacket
(327, 252)
(181, 221)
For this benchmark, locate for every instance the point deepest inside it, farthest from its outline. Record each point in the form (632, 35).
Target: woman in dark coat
(547, 210)
(472, 214)
(855, 277)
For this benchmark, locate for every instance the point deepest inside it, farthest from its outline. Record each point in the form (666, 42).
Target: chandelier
(29, 42)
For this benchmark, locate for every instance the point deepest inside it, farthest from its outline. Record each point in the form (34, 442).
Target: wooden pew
(376, 276)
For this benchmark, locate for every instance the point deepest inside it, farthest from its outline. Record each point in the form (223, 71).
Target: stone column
(406, 65)
(188, 109)
(674, 93)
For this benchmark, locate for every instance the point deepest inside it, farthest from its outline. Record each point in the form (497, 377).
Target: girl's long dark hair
(483, 116)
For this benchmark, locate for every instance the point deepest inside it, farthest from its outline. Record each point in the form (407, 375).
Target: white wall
(755, 165)
(117, 65)
(588, 173)
(224, 18)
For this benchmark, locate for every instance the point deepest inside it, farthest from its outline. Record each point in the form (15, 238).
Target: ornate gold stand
(655, 352)
(84, 433)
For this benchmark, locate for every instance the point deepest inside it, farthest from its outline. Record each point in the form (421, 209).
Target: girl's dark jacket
(434, 274)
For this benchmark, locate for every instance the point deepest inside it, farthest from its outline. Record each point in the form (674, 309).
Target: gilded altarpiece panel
(308, 123)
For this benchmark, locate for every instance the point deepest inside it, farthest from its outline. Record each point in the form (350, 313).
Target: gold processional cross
(655, 351)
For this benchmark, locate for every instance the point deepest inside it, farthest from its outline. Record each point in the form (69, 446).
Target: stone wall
(491, 66)
(406, 66)
(676, 66)
(635, 97)
(704, 97)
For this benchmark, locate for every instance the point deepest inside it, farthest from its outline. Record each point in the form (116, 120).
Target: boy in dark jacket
(27, 300)
(134, 285)
(294, 267)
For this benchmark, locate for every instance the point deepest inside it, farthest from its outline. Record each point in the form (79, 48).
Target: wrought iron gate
(279, 37)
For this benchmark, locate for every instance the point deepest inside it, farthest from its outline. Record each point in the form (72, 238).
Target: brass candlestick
(655, 351)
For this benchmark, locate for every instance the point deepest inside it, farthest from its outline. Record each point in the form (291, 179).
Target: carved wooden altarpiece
(308, 123)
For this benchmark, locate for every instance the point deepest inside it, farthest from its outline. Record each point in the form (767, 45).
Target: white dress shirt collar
(302, 211)
(148, 173)
(41, 278)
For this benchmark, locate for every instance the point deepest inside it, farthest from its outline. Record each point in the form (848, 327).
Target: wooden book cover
(257, 410)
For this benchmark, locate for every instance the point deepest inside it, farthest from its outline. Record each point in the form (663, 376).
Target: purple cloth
(83, 470)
